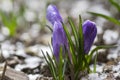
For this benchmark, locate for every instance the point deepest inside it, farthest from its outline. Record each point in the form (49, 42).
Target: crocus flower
(59, 38)
(53, 14)
(89, 34)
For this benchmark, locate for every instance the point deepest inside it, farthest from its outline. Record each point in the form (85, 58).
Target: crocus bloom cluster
(89, 34)
(59, 38)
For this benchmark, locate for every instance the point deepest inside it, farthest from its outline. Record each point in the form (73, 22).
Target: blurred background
(23, 30)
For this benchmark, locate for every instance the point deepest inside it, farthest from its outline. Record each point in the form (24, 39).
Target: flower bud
(59, 39)
(89, 34)
(53, 14)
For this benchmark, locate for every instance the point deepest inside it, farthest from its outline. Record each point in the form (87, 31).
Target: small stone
(110, 76)
(110, 63)
(45, 39)
(107, 69)
(116, 68)
(94, 76)
(110, 36)
(33, 76)
(103, 76)
(29, 15)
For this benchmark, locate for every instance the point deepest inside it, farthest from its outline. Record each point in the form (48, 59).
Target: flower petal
(89, 34)
(53, 14)
(59, 38)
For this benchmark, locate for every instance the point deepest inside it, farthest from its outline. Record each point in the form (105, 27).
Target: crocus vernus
(59, 38)
(89, 34)
(53, 14)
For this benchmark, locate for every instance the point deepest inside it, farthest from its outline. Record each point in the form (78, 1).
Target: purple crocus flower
(59, 37)
(53, 14)
(89, 34)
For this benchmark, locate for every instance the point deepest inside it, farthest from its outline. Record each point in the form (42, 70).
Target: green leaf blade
(115, 4)
(115, 21)
(74, 30)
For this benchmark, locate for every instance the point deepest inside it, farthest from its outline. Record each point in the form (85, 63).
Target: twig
(4, 70)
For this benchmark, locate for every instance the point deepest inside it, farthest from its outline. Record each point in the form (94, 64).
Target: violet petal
(53, 14)
(89, 34)
(59, 38)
